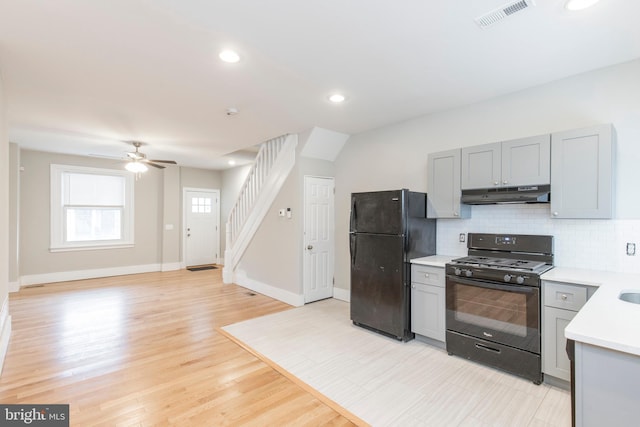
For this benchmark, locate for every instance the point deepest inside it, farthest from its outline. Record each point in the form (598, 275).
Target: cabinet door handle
(563, 297)
(555, 214)
(455, 214)
(504, 182)
(426, 275)
(495, 182)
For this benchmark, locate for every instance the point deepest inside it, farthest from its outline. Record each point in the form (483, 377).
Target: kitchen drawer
(562, 295)
(427, 275)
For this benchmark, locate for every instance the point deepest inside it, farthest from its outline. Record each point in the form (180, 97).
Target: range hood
(492, 196)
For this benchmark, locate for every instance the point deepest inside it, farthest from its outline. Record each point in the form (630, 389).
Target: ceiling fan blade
(150, 163)
(136, 155)
(104, 156)
(172, 162)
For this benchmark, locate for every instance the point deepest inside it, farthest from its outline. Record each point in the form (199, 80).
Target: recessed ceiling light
(231, 162)
(579, 4)
(229, 56)
(337, 98)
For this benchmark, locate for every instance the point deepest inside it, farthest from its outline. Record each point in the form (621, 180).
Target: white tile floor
(389, 383)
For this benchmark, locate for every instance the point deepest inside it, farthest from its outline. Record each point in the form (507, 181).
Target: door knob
(310, 247)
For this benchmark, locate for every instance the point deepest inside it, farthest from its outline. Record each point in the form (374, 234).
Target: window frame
(58, 210)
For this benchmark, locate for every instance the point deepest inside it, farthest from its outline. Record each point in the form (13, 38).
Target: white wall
(14, 214)
(5, 319)
(35, 258)
(396, 157)
(158, 201)
(272, 264)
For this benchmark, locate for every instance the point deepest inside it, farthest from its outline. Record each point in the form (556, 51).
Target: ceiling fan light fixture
(579, 4)
(136, 167)
(229, 56)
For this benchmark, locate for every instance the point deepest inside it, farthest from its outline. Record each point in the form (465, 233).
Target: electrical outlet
(631, 249)
(462, 237)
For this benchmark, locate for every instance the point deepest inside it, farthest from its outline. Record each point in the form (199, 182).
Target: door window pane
(201, 205)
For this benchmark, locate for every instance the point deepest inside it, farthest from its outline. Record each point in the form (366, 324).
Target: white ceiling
(84, 76)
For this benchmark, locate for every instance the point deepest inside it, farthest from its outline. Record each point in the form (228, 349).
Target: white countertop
(605, 320)
(434, 260)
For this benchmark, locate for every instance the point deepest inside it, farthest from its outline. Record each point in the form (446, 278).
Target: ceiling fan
(138, 160)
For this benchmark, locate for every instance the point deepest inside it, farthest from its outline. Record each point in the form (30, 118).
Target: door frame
(183, 222)
(304, 231)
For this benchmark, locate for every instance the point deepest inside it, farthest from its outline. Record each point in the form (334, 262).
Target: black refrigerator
(387, 230)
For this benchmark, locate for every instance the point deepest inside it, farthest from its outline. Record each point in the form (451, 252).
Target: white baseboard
(342, 294)
(65, 276)
(240, 278)
(5, 331)
(14, 286)
(171, 266)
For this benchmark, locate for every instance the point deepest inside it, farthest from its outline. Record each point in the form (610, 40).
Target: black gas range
(493, 301)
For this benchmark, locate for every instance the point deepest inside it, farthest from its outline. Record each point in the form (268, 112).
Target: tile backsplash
(578, 243)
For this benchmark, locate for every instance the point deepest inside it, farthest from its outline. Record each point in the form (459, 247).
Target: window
(90, 208)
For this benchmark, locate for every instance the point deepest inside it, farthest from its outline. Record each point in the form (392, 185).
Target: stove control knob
(468, 273)
(507, 278)
(457, 272)
(520, 280)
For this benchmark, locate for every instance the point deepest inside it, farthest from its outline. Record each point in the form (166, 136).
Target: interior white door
(201, 235)
(318, 238)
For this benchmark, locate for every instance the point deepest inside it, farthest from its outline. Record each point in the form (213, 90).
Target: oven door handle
(490, 285)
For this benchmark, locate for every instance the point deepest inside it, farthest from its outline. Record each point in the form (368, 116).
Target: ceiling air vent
(488, 19)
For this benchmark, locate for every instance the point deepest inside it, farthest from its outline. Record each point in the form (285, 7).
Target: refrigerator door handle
(354, 215)
(352, 247)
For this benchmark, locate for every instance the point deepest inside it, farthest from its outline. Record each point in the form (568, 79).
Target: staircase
(274, 162)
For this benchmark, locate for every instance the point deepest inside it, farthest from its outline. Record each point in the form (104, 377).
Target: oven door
(501, 313)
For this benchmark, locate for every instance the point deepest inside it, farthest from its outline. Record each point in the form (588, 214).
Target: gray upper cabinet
(526, 161)
(443, 186)
(481, 166)
(518, 162)
(582, 173)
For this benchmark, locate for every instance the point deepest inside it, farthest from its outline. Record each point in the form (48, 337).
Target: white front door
(318, 238)
(201, 235)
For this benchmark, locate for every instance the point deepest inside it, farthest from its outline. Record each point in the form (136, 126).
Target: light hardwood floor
(145, 350)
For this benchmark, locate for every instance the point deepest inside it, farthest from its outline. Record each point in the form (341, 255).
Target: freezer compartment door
(379, 296)
(380, 212)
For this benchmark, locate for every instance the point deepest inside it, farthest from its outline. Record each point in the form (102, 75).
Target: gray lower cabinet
(556, 363)
(582, 173)
(607, 383)
(428, 301)
(561, 302)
